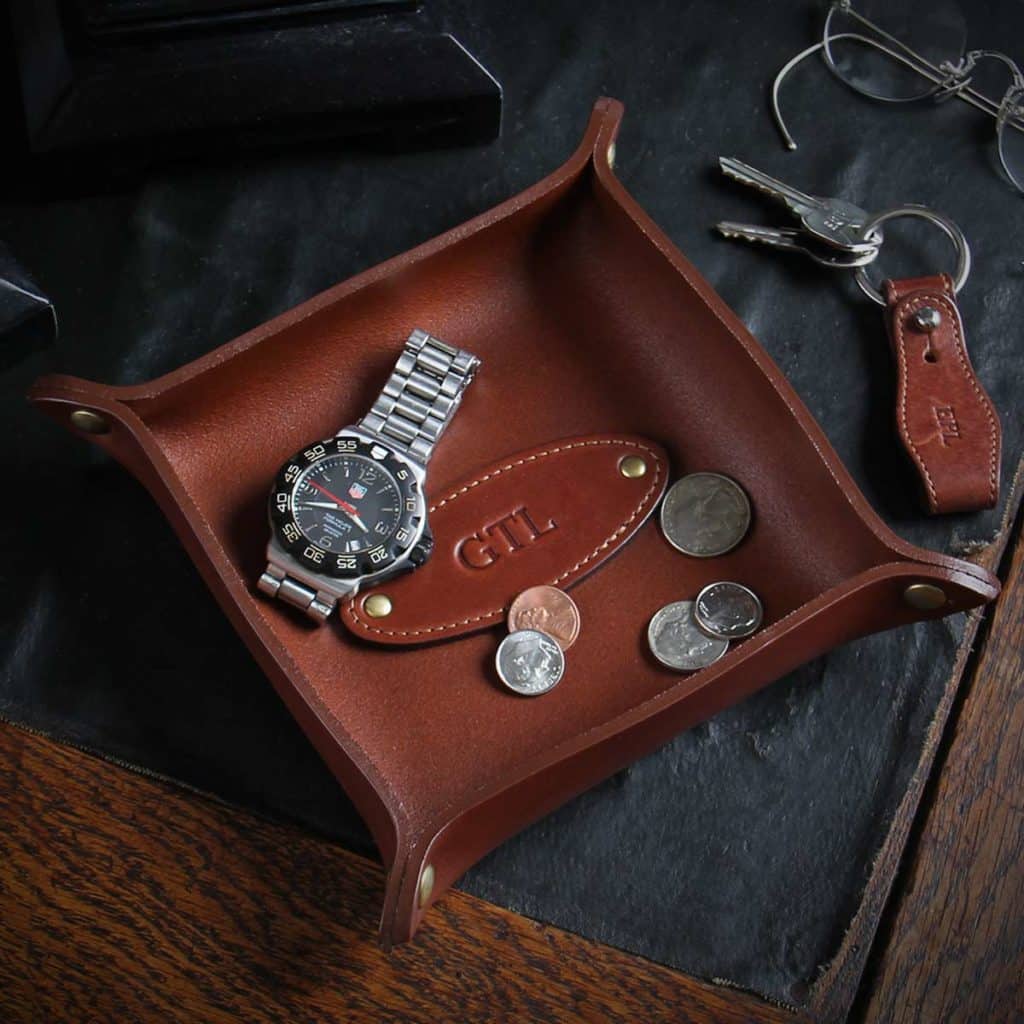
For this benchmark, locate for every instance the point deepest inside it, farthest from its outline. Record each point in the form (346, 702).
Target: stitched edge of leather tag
(547, 515)
(945, 419)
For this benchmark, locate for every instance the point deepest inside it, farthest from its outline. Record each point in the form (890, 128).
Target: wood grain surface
(954, 949)
(124, 899)
(843, 982)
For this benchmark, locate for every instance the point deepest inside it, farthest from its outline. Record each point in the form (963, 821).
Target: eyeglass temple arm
(804, 54)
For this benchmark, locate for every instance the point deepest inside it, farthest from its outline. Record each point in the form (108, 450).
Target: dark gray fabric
(740, 850)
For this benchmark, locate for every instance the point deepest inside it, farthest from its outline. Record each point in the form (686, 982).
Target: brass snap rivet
(632, 466)
(89, 421)
(426, 884)
(924, 596)
(377, 606)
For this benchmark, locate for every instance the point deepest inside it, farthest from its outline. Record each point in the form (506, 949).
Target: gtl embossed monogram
(500, 539)
(949, 429)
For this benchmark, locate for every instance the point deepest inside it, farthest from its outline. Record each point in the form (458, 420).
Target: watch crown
(421, 550)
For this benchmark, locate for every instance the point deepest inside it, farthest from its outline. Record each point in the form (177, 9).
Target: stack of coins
(543, 623)
(704, 515)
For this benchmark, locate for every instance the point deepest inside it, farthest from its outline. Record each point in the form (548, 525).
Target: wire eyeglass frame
(946, 80)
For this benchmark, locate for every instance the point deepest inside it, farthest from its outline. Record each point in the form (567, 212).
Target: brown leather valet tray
(589, 322)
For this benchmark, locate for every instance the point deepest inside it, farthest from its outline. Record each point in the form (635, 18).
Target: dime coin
(677, 641)
(529, 662)
(728, 610)
(705, 514)
(547, 610)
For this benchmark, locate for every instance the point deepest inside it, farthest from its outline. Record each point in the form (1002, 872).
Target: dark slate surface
(740, 850)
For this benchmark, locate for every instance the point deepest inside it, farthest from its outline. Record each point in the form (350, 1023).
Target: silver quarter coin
(529, 662)
(676, 640)
(705, 514)
(728, 610)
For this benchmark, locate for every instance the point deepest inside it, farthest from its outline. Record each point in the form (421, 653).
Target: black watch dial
(346, 507)
(346, 504)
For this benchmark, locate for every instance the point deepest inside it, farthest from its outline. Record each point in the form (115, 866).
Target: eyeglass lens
(1011, 139)
(854, 32)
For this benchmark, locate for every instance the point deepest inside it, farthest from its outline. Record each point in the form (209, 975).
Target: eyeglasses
(864, 49)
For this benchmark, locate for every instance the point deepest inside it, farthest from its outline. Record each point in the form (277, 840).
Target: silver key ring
(950, 228)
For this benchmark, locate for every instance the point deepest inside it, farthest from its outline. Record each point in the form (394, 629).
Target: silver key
(795, 240)
(832, 221)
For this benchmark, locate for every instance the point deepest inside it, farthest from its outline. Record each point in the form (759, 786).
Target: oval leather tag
(546, 515)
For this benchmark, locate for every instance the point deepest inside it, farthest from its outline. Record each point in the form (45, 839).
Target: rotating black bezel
(327, 563)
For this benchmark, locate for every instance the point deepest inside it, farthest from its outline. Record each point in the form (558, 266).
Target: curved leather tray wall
(588, 320)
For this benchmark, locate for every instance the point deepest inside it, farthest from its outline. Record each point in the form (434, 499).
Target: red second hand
(350, 509)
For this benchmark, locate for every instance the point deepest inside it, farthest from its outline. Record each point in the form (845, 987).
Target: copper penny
(547, 610)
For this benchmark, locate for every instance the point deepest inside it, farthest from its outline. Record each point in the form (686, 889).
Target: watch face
(346, 507)
(346, 504)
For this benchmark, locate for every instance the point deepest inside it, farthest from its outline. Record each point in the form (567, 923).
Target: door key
(796, 240)
(832, 222)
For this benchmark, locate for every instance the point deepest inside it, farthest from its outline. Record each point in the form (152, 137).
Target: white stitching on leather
(495, 613)
(916, 302)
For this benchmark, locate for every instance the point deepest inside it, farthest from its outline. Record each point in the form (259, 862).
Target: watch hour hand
(355, 519)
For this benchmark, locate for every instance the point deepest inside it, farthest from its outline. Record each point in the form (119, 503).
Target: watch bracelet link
(421, 396)
(277, 583)
(410, 414)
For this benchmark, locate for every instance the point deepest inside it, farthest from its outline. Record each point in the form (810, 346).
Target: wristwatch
(351, 510)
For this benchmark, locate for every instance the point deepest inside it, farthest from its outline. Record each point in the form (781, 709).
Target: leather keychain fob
(945, 419)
